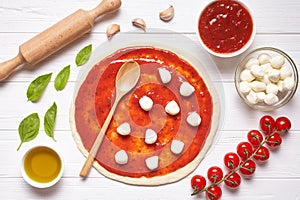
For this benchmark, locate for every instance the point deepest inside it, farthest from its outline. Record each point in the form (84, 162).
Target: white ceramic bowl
(43, 157)
(283, 97)
(228, 54)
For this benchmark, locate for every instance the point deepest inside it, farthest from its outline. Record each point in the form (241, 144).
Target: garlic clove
(112, 30)
(167, 14)
(139, 22)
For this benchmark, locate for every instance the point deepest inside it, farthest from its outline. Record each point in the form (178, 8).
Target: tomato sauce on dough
(97, 93)
(225, 26)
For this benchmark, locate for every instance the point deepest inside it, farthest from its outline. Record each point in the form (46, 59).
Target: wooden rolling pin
(57, 36)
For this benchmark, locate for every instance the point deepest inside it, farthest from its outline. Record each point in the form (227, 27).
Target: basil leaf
(49, 120)
(83, 55)
(29, 128)
(62, 78)
(37, 87)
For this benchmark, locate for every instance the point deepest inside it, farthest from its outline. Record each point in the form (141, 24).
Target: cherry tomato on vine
(248, 168)
(231, 160)
(255, 137)
(283, 124)
(267, 124)
(214, 174)
(244, 150)
(214, 193)
(262, 154)
(233, 181)
(274, 140)
(198, 182)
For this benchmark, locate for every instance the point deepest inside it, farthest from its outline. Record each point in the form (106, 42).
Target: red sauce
(225, 26)
(96, 95)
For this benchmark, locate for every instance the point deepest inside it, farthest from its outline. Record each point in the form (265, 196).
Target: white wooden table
(277, 26)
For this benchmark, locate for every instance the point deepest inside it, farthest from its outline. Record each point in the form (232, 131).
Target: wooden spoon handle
(94, 150)
(58, 36)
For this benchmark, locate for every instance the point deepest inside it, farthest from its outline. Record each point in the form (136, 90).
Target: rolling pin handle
(7, 67)
(106, 6)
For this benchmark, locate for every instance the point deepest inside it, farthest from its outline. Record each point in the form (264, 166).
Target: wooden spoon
(127, 77)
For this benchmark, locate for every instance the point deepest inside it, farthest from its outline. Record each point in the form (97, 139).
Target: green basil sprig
(62, 78)
(29, 128)
(49, 120)
(37, 87)
(83, 55)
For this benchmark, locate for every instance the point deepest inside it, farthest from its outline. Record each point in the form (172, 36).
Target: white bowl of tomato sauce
(225, 28)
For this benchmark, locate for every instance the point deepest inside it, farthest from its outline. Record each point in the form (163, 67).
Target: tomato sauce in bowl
(226, 28)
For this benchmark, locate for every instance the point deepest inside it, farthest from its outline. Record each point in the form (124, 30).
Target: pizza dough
(179, 146)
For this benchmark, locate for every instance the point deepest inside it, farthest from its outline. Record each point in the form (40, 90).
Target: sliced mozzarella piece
(146, 103)
(271, 99)
(152, 163)
(277, 61)
(150, 136)
(245, 87)
(285, 72)
(193, 119)
(177, 147)
(124, 129)
(288, 83)
(121, 157)
(261, 96)
(274, 75)
(264, 58)
(251, 62)
(272, 88)
(165, 75)
(246, 75)
(257, 71)
(172, 108)
(258, 86)
(252, 97)
(186, 89)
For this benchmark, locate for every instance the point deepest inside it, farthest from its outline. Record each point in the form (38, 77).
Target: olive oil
(42, 164)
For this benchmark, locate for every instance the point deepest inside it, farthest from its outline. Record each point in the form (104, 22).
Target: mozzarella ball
(257, 71)
(264, 58)
(252, 97)
(266, 67)
(186, 89)
(172, 108)
(272, 88)
(285, 72)
(244, 87)
(277, 61)
(193, 119)
(258, 86)
(246, 75)
(251, 62)
(280, 86)
(274, 75)
(165, 75)
(271, 99)
(146, 103)
(288, 83)
(261, 96)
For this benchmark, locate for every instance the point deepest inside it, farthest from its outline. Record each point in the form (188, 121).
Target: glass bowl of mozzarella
(266, 79)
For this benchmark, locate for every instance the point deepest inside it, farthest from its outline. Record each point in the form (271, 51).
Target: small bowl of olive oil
(42, 167)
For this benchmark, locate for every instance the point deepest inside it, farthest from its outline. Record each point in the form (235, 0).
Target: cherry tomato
(198, 183)
(233, 181)
(262, 154)
(267, 124)
(214, 174)
(248, 168)
(231, 160)
(274, 140)
(214, 193)
(244, 150)
(255, 137)
(283, 124)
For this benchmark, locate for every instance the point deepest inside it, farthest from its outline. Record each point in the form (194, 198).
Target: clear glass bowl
(283, 97)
